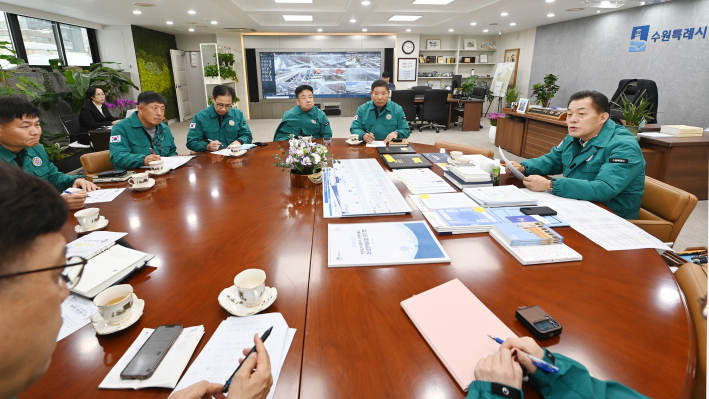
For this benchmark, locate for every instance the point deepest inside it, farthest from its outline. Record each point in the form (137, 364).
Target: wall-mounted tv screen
(331, 74)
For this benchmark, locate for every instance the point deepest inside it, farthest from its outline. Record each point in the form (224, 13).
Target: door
(179, 72)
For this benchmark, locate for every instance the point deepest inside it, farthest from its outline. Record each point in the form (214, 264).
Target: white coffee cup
(250, 286)
(139, 179)
(156, 166)
(235, 148)
(354, 137)
(114, 304)
(87, 218)
(456, 154)
(487, 165)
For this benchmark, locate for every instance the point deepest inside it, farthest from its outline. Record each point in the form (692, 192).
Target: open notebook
(109, 266)
(456, 327)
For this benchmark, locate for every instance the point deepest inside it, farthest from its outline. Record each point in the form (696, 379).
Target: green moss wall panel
(152, 51)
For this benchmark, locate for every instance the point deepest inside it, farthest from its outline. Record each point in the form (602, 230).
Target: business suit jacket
(90, 118)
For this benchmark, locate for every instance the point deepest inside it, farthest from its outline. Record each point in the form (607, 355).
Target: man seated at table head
(143, 137)
(386, 76)
(380, 119)
(20, 132)
(305, 119)
(219, 125)
(32, 290)
(599, 159)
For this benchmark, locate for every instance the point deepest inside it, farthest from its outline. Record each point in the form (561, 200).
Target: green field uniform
(205, 125)
(130, 143)
(369, 120)
(299, 123)
(35, 161)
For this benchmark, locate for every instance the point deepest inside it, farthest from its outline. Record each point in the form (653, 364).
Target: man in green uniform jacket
(600, 160)
(142, 138)
(380, 119)
(20, 132)
(500, 376)
(304, 119)
(220, 125)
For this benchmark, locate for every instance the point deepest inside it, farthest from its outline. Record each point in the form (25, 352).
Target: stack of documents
(500, 196)
(682, 130)
(470, 174)
(430, 202)
(461, 220)
(527, 233)
(423, 181)
(170, 369)
(538, 254)
(220, 357)
(461, 184)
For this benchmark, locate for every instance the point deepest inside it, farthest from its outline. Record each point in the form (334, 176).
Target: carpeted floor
(694, 232)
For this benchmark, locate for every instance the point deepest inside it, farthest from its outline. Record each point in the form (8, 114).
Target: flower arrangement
(303, 157)
(493, 117)
(122, 105)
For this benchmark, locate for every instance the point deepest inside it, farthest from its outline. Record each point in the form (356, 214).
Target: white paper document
(512, 169)
(220, 357)
(654, 134)
(377, 144)
(76, 313)
(104, 195)
(227, 151)
(92, 243)
(428, 202)
(423, 181)
(173, 162)
(170, 369)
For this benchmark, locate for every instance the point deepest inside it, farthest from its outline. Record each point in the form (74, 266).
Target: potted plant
(468, 85)
(25, 84)
(635, 114)
(544, 92)
(493, 117)
(511, 96)
(305, 160)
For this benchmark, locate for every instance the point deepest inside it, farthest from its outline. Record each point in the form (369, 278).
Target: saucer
(238, 154)
(160, 172)
(103, 328)
(358, 142)
(230, 301)
(151, 183)
(102, 222)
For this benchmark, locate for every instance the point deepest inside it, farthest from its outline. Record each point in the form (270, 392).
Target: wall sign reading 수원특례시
(639, 36)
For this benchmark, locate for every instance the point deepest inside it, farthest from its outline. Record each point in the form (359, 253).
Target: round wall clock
(408, 47)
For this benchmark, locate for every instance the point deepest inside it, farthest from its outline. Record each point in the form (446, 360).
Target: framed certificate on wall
(406, 69)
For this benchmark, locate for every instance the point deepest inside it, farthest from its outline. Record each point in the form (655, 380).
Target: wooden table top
(622, 313)
(678, 141)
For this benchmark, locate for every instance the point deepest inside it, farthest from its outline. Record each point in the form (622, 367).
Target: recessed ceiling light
(298, 18)
(214, 22)
(473, 23)
(436, 2)
(353, 20)
(408, 30)
(550, 1)
(404, 18)
(319, 29)
(192, 12)
(365, 3)
(550, 15)
(598, 12)
(605, 3)
(137, 12)
(504, 14)
(364, 30)
(513, 23)
(169, 22)
(485, 30)
(450, 30)
(191, 29)
(294, 1)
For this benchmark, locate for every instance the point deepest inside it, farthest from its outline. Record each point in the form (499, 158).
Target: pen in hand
(264, 337)
(535, 360)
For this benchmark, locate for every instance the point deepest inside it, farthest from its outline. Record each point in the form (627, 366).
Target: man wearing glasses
(142, 138)
(220, 125)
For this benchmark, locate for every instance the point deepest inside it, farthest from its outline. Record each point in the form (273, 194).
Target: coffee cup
(457, 155)
(487, 165)
(156, 166)
(250, 286)
(87, 218)
(115, 304)
(139, 179)
(354, 137)
(235, 148)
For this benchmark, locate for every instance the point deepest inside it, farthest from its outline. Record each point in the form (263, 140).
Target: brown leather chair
(95, 163)
(692, 279)
(664, 210)
(466, 149)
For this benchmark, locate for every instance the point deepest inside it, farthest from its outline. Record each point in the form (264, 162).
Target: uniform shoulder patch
(37, 161)
(115, 139)
(327, 124)
(356, 116)
(193, 125)
(618, 160)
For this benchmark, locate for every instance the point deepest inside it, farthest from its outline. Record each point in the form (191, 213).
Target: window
(76, 45)
(4, 36)
(39, 39)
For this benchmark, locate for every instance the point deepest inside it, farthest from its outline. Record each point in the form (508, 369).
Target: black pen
(264, 337)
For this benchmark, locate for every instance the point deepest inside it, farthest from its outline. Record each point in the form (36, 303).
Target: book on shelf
(470, 174)
(539, 254)
(682, 130)
(527, 233)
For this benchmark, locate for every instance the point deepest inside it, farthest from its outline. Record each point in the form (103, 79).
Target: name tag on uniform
(618, 160)
(327, 124)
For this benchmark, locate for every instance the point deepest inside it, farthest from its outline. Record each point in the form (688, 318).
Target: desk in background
(472, 111)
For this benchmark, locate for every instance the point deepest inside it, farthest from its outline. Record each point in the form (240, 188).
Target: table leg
(471, 115)
(450, 111)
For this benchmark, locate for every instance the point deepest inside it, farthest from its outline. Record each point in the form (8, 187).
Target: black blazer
(90, 118)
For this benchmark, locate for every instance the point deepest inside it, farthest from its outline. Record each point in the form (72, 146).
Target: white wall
(47, 15)
(400, 39)
(115, 43)
(524, 41)
(191, 42)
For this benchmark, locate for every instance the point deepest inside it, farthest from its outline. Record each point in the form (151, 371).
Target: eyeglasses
(70, 277)
(225, 106)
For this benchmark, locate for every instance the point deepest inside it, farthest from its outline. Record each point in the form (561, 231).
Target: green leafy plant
(635, 113)
(108, 79)
(211, 71)
(25, 84)
(512, 95)
(544, 92)
(226, 59)
(228, 73)
(152, 52)
(468, 85)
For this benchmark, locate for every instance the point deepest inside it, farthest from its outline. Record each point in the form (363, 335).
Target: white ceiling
(333, 16)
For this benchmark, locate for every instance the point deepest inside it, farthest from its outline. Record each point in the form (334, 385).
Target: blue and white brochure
(382, 244)
(467, 217)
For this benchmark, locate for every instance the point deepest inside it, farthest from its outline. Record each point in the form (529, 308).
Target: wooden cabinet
(510, 134)
(542, 137)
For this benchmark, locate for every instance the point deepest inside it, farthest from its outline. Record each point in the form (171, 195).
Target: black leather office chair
(70, 123)
(635, 90)
(435, 109)
(405, 98)
(418, 95)
(477, 94)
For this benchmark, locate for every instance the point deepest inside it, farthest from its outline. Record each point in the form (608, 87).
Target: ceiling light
(137, 12)
(214, 22)
(473, 23)
(169, 22)
(504, 14)
(294, 1)
(298, 18)
(407, 18)
(598, 12)
(450, 30)
(513, 23)
(485, 30)
(364, 30)
(353, 20)
(319, 29)
(550, 15)
(192, 12)
(191, 29)
(365, 3)
(408, 30)
(605, 3)
(436, 2)
(550, 1)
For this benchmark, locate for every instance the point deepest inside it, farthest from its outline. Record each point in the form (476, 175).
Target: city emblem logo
(313, 120)
(638, 38)
(37, 161)
(389, 117)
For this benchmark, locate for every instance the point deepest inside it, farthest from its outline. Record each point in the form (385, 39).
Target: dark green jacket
(298, 123)
(573, 381)
(610, 169)
(205, 125)
(130, 143)
(391, 119)
(36, 162)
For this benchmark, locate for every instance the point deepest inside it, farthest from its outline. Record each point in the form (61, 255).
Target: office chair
(70, 123)
(435, 109)
(478, 94)
(95, 163)
(634, 90)
(130, 112)
(405, 98)
(692, 279)
(418, 95)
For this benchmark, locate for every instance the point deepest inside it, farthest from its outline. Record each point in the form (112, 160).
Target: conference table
(622, 313)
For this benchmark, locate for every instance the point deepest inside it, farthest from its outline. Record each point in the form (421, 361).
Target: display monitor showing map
(331, 74)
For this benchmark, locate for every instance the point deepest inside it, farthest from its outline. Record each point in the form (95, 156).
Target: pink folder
(455, 324)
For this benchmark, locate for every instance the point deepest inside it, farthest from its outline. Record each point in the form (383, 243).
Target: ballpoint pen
(264, 337)
(535, 360)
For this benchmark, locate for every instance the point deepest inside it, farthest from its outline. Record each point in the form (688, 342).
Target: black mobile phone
(112, 173)
(148, 358)
(538, 210)
(538, 322)
(397, 140)
(260, 144)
